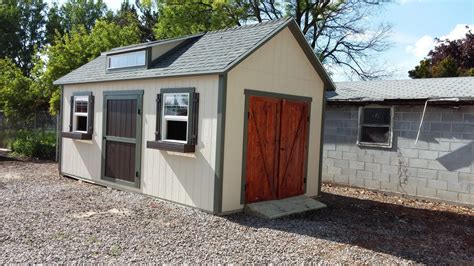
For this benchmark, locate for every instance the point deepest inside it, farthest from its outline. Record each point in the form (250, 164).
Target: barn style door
(277, 134)
(121, 137)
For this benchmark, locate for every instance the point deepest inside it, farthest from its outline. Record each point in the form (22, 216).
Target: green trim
(321, 143)
(121, 139)
(277, 95)
(244, 151)
(127, 188)
(248, 94)
(306, 163)
(220, 143)
(138, 95)
(60, 128)
(82, 93)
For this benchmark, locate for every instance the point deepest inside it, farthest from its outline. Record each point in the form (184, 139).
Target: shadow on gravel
(424, 236)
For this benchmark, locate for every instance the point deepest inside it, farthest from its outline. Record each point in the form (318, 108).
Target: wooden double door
(277, 143)
(122, 137)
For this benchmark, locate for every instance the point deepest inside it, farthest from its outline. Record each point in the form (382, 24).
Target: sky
(416, 23)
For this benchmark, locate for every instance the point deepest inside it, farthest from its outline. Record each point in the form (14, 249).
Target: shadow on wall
(459, 158)
(421, 235)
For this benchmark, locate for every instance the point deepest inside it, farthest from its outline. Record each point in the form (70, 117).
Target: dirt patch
(50, 219)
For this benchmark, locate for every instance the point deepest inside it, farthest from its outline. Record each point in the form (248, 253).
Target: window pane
(127, 60)
(81, 123)
(176, 130)
(375, 134)
(376, 116)
(176, 104)
(81, 107)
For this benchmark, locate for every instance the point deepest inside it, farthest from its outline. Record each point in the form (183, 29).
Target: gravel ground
(49, 219)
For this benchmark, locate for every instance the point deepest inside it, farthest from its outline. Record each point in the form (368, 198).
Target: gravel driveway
(46, 218)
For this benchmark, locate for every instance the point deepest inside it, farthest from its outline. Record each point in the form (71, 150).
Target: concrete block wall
(440, 166)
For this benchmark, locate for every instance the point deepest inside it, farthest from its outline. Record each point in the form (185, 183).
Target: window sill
(76, 135)
(171, 146)
(374, 145)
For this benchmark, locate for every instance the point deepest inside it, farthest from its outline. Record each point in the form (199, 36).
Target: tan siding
(184, 178)
(278, 66)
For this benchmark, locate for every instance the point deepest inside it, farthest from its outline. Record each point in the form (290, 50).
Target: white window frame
(127, 57)
(75, 115)
(180, 118)
(361, 124)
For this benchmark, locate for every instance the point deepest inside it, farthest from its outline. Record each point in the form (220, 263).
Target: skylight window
(132, 59)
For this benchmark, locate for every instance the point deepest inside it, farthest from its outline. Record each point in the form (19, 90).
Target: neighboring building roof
(410, 89)
(213, 52)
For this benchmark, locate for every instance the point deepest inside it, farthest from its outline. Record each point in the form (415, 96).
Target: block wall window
(132, 59)
(375, 126)
(176, 120)
(81, 116)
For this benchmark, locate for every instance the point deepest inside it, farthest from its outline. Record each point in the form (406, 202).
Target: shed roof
(410, 89)
(213, 52)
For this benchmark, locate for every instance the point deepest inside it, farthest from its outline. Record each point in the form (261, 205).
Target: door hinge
(136, 174)
(139, 111)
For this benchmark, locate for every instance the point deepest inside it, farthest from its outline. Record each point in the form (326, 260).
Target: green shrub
(35, 144)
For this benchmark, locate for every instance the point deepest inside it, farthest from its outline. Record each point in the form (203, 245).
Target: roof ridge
(258, 24)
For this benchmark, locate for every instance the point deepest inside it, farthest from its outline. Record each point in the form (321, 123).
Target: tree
(16, 99)
(78, 47)
(192, 17)
(54, 25)
(22, 31)
(449, 58)
(82, 12)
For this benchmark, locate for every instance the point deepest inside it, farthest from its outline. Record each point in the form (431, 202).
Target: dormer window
(132, 59)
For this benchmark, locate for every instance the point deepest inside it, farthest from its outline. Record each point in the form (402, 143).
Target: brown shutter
(71, 114)
(90, 115)
(194, 118)
(158, 118)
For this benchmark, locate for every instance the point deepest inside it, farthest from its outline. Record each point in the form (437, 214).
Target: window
(176, 124)
(81, 116)
(175, 117)
(131, 59)
(375, 126)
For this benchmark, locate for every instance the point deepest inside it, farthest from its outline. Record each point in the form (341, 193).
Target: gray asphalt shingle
(366, 91)
(211, 52)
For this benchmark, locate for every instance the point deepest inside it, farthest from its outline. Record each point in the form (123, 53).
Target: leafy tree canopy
(448, 59)
(188, 17)
(78, 47)
(22, 30)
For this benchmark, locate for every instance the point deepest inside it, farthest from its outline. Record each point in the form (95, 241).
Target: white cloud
(458, 32)
(426, 43)
(421, 47)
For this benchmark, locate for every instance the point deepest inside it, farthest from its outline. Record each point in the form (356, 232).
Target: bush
(35, 144)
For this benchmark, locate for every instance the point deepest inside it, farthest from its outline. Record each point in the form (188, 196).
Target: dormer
(143, 55)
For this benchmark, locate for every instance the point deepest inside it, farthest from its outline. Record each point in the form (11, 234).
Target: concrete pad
(279, 208)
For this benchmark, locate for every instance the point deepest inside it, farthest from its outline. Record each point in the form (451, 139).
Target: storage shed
(212, 121)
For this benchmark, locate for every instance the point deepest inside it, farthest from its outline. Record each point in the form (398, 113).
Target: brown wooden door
(262, 148)
(293, 137)
(122, 138)
(277, 133)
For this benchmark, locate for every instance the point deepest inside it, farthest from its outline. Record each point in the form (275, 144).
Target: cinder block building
(414, 137)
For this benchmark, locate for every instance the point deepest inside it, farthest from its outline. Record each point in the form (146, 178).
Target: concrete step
(278, 208)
